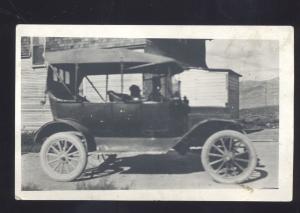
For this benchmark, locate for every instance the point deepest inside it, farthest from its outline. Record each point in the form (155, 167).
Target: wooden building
(211, 92)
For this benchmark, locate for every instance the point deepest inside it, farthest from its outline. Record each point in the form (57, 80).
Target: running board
(110, 144)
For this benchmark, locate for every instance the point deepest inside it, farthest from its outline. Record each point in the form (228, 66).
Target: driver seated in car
(117, 97)
(135, 92)
(135, 95)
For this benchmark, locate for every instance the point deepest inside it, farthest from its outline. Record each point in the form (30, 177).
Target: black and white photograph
(154, 113)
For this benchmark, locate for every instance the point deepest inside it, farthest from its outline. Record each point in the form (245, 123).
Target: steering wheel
(82, 98)
(113, 96)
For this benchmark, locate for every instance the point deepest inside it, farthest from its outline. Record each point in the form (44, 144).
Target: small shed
(212, 93)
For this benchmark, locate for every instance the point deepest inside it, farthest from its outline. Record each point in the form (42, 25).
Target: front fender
(61, 125)
(199, 133)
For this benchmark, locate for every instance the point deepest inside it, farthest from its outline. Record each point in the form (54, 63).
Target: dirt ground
(134, 170)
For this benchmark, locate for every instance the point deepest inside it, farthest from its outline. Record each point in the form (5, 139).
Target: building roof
(225, 70)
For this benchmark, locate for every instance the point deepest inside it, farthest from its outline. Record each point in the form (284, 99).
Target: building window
(38, 51)
(25, 47)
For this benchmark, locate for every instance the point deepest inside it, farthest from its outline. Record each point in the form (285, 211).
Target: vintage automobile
(226, 152)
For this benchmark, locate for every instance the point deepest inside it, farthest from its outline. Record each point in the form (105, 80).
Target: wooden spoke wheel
(228, 156)
(63, 156)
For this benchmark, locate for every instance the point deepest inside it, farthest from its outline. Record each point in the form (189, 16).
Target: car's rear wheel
(228, 156)
(63, 156)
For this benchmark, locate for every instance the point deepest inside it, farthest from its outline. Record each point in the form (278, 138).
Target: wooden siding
(25, 50)
(233, 95)
(64, 43)
(33, 81)
(204, 88)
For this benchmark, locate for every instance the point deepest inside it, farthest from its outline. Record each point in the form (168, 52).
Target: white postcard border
(285, 36)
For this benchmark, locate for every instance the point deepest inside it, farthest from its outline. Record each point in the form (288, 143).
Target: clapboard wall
(65, 43)
(33, 114)
(233, 88)
(204, 88)
(211, 94)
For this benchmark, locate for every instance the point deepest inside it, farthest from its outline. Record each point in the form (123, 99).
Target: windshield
(135, 87)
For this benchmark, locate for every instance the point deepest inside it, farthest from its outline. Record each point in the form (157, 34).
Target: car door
(96, 116)
(155, 117)
(127, 116)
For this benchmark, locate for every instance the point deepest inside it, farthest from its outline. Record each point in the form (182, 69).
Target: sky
(253, 59)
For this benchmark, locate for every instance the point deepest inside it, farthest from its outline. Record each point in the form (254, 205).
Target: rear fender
(62, 125)
(199, 133)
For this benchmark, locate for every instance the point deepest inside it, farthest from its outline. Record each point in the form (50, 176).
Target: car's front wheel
(63, 156)
(228, 156)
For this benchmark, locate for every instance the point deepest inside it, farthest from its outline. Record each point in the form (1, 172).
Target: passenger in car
(155, 95)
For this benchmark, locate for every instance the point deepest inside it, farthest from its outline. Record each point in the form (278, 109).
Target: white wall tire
(229, 157)
(63, 156)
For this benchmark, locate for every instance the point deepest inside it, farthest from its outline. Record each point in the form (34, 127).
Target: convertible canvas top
(103, 61)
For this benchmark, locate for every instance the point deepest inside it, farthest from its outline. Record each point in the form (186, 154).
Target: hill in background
(259, 93)
(259, 102)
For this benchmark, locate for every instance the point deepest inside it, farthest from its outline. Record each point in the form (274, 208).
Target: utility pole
(266, 94)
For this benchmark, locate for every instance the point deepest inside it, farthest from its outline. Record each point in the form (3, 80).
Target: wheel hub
(64, 157)
(228, 156)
